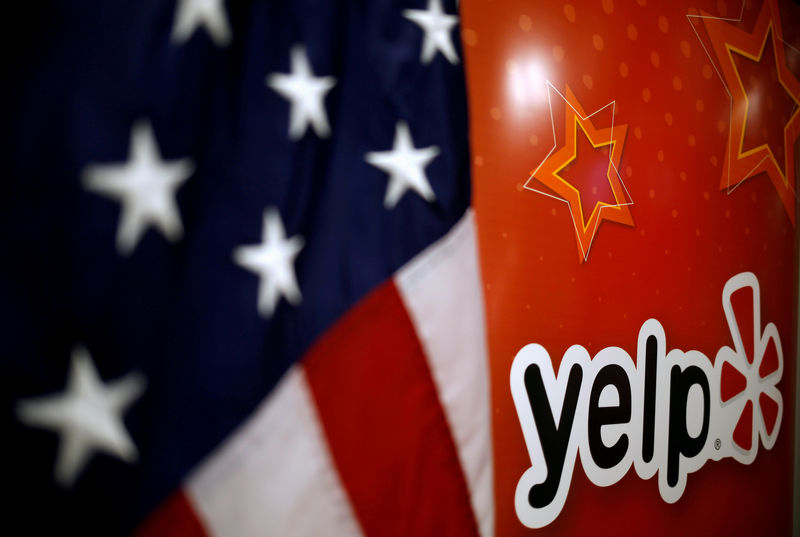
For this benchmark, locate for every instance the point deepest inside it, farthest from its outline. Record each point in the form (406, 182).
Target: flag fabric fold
(260, 212)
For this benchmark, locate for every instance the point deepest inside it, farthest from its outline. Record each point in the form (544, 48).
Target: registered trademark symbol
(717, 444)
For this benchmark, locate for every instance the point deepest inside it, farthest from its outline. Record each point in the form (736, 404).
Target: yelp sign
(666, 414)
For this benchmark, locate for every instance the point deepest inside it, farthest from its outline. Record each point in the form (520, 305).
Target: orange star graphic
(741, 164)
(548, 173)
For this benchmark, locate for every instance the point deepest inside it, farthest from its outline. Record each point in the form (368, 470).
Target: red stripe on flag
(385, 426)
(174, 516)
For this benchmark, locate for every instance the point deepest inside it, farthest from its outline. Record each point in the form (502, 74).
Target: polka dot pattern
(644, 56)
(569, 12)
(470, 37)
(655, 58)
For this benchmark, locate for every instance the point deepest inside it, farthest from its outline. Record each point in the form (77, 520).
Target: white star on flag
(437, 26)
(145, 186)
(273, 262)
(87, 416)
(405, 165)
(191, 14)
(306, 94)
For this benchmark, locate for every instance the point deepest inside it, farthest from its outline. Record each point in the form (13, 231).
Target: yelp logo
(749, 372)
(666, 414)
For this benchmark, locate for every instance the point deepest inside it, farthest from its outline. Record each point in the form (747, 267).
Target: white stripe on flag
(442, 292)
(274, 476)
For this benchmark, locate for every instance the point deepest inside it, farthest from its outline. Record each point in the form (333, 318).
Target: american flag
(240, 288)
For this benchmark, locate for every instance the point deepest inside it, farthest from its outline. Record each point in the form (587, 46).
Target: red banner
(634, 183)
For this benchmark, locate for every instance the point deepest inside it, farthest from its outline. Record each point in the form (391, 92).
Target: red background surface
(688, 236)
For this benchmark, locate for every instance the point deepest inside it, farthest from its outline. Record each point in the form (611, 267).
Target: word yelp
(668, 414)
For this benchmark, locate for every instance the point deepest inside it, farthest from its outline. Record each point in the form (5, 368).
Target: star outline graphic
(767, 24)
(770, 32)
(576, 116)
